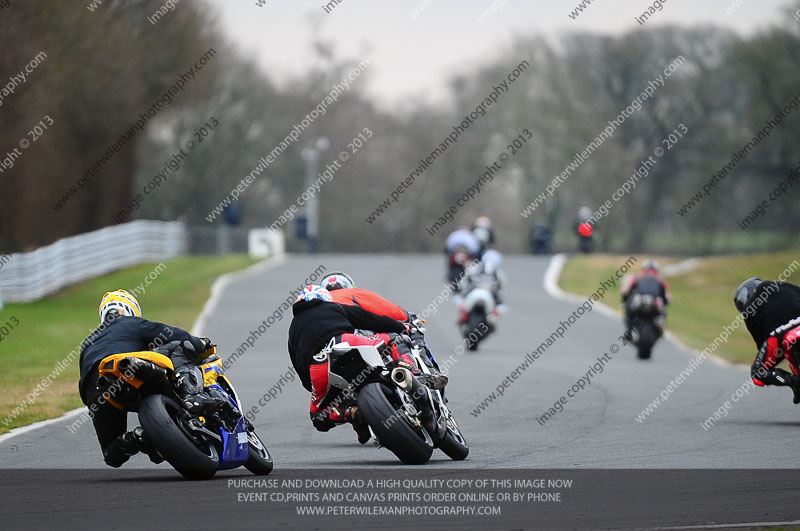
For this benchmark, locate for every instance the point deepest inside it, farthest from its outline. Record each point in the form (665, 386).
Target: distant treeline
(700, 94)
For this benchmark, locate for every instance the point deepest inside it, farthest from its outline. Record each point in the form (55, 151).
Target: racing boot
(794, 383)
(120, 450)
(189, 382)
(359, 426)
(145, 446)
(779, 377)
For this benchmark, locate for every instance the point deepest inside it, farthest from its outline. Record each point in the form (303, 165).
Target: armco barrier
(30, 276)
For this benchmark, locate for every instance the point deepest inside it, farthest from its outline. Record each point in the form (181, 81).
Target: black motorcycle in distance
(647, 318)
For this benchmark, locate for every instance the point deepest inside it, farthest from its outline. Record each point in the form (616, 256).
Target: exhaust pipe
(103, 383)
(402, 377)
(406, 381)
(409, 383)
(421, 397)
(144, 370)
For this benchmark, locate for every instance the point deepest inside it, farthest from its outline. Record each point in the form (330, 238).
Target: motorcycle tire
(646, 341)
(259, 462)
(454, 445)
(411, 446)
(473, 325)
(193, 459)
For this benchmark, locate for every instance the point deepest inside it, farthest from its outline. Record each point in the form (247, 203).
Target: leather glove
(197, 346)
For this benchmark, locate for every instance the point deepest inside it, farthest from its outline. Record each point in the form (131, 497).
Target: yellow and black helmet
(121, 302)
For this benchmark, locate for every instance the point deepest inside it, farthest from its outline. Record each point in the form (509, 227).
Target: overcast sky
(415, 56)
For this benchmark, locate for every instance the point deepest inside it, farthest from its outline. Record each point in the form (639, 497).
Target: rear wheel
(646, 340)
(392, 426)
(474, 334)
(260, 461)
(191, 454)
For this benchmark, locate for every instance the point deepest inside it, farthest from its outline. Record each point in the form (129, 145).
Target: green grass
(583, 274)
(702, 299)
(694, 242)
(49, 329)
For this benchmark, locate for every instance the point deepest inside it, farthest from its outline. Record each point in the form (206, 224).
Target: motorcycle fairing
(235, 449)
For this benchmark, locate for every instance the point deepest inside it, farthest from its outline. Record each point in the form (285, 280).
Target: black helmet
(746, 292)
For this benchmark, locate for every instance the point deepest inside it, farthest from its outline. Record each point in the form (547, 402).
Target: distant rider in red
(647, 282)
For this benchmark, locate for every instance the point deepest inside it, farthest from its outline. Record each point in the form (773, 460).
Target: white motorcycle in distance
(480, 307)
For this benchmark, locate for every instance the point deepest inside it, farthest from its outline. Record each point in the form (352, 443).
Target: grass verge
(702, 299)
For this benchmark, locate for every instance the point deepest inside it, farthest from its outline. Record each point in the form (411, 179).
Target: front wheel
(259, 462)
(454, 444)
(191, 454)
(412, 445)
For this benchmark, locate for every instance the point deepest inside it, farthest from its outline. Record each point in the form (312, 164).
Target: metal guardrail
(26, 277)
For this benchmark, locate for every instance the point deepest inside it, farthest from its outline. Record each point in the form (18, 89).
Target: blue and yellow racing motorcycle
(196, 445)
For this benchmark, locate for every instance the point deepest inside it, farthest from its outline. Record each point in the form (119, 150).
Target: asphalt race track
(596, 429)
